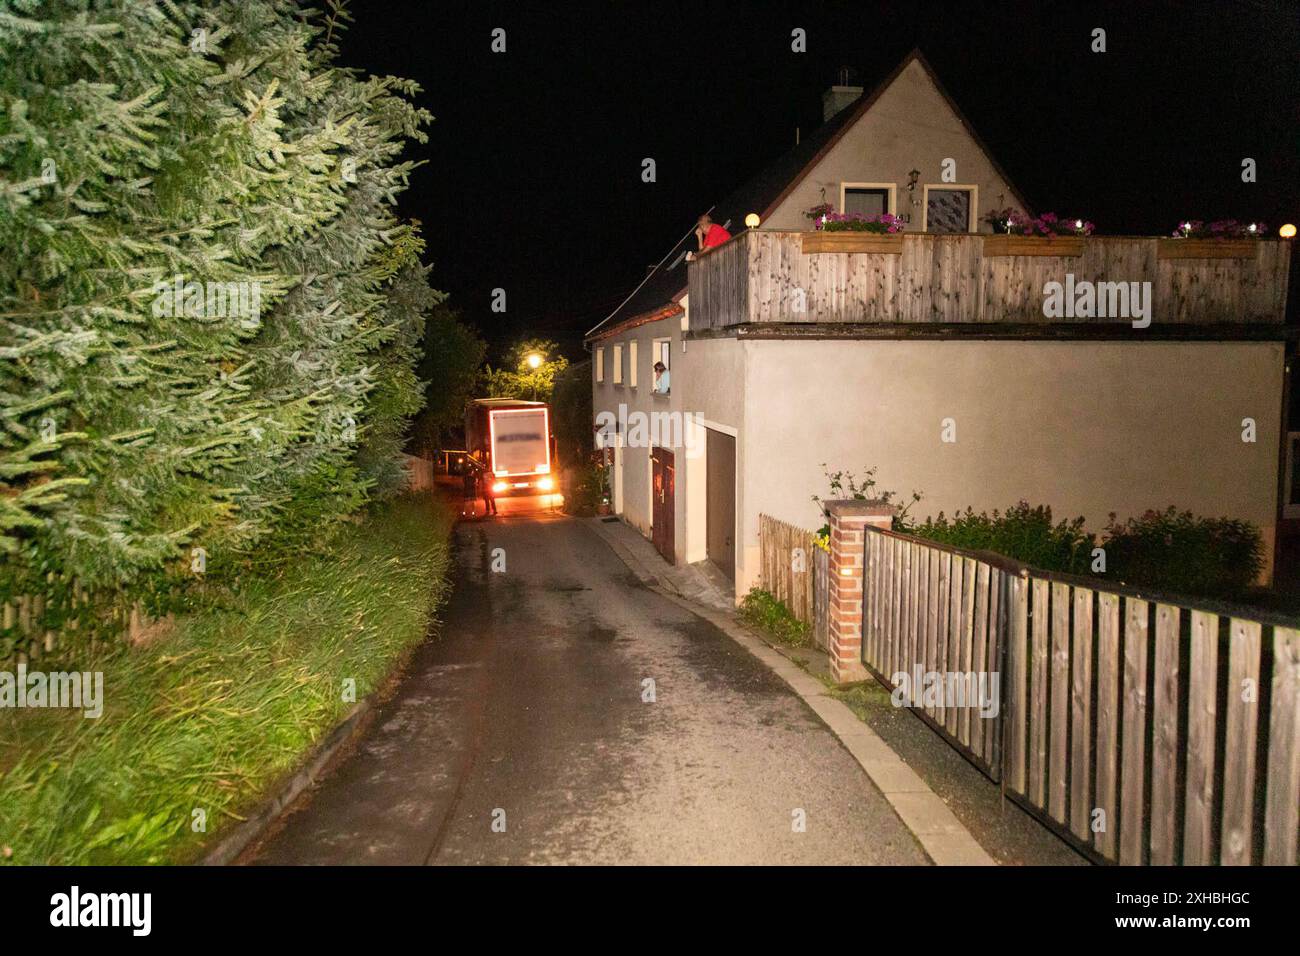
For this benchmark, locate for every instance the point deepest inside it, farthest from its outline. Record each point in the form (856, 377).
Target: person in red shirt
(708, 234)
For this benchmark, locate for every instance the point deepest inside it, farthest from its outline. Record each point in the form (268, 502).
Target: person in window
(661, 378)
(708, 234)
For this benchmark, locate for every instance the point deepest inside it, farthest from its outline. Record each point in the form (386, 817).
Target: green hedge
(1170, 550)
(1176, 550)
(213, 148)
(1023, 532)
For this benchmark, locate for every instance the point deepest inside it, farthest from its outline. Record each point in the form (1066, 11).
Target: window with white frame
(618, 365)
(600, 366)
(867, 199)
(631, 364)
(661, 354)
(950, 209)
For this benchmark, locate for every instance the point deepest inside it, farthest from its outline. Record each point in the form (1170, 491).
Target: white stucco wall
(607, 396)
(712, 393)
(1085, 427)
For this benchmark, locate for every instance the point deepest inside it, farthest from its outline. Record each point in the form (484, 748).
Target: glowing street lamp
(1287, 231)
(534, 361)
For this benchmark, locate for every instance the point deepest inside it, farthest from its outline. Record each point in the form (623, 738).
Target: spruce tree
(152, 155)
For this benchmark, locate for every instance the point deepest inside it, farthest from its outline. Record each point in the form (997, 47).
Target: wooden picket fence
(419, 473)
(821, 621)
(787, 564)
(65, 617)
(1145, 728)
(62, 619)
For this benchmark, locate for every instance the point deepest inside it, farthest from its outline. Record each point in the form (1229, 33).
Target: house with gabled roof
(1094, 374)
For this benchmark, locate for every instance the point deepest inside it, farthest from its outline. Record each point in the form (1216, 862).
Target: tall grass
(213, 715)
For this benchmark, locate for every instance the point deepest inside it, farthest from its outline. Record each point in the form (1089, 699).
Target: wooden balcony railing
(791, 277)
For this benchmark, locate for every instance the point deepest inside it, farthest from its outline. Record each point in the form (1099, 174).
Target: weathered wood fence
(60, 616)
(789, 562)
(1146, 728)
(419, 473)
(63, 617)
(762, 276)
(821, 598)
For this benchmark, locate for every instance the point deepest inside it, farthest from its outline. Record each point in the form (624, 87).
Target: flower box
(1033, 245)
(1206, 248)
(888, 244)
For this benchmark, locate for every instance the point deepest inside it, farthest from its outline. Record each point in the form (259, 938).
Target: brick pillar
(847, 519)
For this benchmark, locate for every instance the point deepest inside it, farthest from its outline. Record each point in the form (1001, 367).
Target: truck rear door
(520, 441)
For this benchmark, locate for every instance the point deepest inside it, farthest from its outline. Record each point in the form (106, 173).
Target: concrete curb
(245, 834)
(941, 835)
(229, 848)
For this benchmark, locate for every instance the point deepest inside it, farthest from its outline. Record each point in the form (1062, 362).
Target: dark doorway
(720, 533)
(662, 489)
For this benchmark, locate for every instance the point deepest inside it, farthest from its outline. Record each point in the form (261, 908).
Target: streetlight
(534, 362)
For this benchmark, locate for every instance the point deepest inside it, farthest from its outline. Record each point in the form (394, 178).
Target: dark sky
(533, 176)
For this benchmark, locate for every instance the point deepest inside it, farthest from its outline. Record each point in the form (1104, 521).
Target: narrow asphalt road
(527, 733)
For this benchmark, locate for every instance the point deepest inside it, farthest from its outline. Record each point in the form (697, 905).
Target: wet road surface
(526, 733)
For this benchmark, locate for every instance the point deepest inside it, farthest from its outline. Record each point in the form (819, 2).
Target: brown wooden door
(662, 488)
(720, 519)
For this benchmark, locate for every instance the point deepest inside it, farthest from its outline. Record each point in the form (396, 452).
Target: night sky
(533, 175)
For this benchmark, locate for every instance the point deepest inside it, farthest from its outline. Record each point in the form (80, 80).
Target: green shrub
(762, 611)
(589, 489)
(571, 414)
(1024, 533)
(844, 484)
(1178, 551)
(1171, 550)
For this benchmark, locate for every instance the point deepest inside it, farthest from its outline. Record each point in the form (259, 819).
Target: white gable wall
(911, 126)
